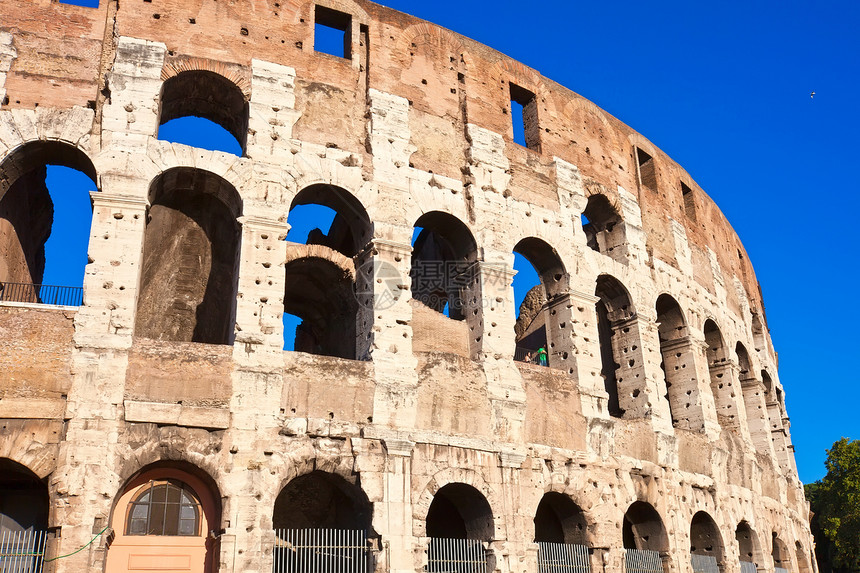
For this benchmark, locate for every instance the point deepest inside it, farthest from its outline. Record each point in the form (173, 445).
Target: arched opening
(328, 229)
(748, 548)
(445, 286)
(190, 265)
(774, 418)
(780, 555)
(561, 535)
(620, 349)
(645, 540)
(682, 389)
(539, 288)
(458, 524)
(803, 562)
(322, 522)
(722, 386)
(167, 517)
(204, 109)
(759, 340)
(604, 228)
(45, 219)
(706, 544)
(24, 504)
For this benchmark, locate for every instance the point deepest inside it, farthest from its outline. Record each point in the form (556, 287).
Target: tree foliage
(835, 501)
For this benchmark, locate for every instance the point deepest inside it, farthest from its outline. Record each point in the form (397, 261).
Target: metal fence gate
(748, 567)
(563, 558)
(642, 561)
(456, 556)
(320, 551)
(22, 551)
(704, 563)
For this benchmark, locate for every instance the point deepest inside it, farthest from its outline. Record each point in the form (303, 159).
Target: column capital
(101, 199)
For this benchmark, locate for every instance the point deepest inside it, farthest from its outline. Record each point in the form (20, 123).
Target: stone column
(756, 412)
(393, 518)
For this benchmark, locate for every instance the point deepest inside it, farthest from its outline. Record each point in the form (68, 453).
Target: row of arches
(168, 512)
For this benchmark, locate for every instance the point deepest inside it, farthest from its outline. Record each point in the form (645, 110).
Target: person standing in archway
(542, 356)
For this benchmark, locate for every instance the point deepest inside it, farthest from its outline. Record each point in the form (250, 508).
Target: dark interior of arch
(190, 259)
(643, 528)
(205, 94)
(442, 264)
(459, 511)
(26, 210)
(613, 308)
(547, 263)
(23, 499)
(559, 520)
(758, 332)
(320, 500)
(780, 555)
(672, 325)
(714, 340)
(322, 295)
(351, 229)
(705, 536)
(602, 231)
(747, 543)
(743, 360)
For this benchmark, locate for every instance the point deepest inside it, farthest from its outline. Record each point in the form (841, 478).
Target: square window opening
(689, 201)
(647, 170)
(524, 117)
(333, 32)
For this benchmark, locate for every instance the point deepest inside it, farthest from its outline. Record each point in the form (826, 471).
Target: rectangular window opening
(689, 201)
(84, 3)
(333, 32)
(524, 117)
(647, 170)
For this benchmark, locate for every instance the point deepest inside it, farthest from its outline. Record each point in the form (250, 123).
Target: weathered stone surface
(672, 402)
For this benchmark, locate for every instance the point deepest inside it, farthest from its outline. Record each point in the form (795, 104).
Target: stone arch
(319, 289)
(559, 519)
(352, 228)
(603, 226)
(749, 546)
(678, 365)
(621, 357)
(446, 279)
(322, 500)
(723, 386)
(460, 511)
(705, 539)
(539, 324)
(779, 553)
(192, 223)
(24, 499)
(194, 88)
(198, 544)
(758, 332)
(803, 558)
(471, 478)
(427, 33)
(27, 211)
(38, 455)
(643, 529)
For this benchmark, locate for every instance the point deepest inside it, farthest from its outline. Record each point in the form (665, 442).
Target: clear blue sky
(723, 88)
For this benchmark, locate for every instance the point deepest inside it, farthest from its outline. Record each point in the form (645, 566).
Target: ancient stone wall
(671, 435)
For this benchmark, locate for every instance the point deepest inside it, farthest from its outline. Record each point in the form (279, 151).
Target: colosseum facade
(160, 425)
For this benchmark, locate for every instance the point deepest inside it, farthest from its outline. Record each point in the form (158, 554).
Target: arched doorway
(23, 518)
(459, 522)
(560, 532)
(166, 519)
(321, 522)
(748, 548)
(646, 543)
(706, 544)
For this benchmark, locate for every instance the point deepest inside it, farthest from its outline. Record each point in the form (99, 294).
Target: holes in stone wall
(676, 350)
(332, 32)
(603, 227)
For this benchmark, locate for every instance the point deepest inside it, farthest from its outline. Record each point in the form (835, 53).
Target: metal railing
(642, 561)
(456, 556)
(780, 570)
(563, 558)
(527, 355)
(704, 563)
(748, 567)
(22, 551)
(41, 294)
(320, 551)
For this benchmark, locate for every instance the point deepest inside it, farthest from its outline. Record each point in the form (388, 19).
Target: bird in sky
(811, 95)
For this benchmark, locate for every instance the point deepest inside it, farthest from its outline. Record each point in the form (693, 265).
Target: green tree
(835, 501)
